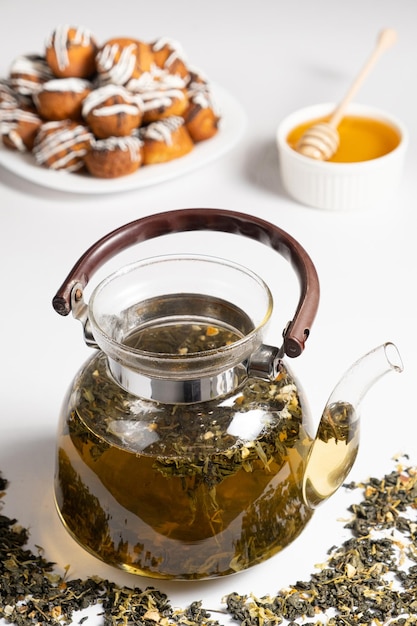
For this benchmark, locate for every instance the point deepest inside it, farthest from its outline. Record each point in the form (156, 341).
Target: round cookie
(202, 117)
(62, 98)
(114, 157)
(112, 110)
(62, 145)
(165, 140)
(70, 52)
(18, 128)
(121, 59)
(28, 73)
(169, 55)
(162, 95)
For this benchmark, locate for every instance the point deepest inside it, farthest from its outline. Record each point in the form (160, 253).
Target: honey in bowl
(361, 138)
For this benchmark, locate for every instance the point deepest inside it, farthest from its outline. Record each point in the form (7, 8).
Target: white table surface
(273, 57)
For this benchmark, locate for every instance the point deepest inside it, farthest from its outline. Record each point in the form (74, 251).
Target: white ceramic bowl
(340, 186)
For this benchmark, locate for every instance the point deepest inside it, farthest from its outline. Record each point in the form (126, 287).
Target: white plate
(232, 125)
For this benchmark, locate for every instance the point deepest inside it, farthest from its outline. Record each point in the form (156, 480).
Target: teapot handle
(296, 331)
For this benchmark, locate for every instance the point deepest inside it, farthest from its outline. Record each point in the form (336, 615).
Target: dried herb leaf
(356, 582)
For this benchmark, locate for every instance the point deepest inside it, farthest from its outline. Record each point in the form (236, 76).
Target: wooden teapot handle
(296, 331)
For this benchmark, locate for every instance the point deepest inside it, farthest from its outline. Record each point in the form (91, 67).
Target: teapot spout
(334, 450)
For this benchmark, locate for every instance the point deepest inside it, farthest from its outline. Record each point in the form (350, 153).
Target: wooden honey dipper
(321, 140)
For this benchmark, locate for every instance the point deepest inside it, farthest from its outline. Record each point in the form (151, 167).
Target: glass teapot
(185, 448)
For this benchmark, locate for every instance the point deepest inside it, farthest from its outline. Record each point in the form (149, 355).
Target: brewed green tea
(195, 491)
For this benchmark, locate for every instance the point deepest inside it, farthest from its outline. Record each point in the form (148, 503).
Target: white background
(273, 56)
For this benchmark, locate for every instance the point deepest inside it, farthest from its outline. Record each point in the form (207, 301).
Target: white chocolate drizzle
(116, 109)
(9, 125)
(8, 99)
(78, 85)
(162, 130)
(16, 140)
(201, 95)
(117, 71)
(156, 77)
(129, 144)
(28, 72)
(60, 146)
(12, 117)
(96, 100)
(158, 93)
(174, 47)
